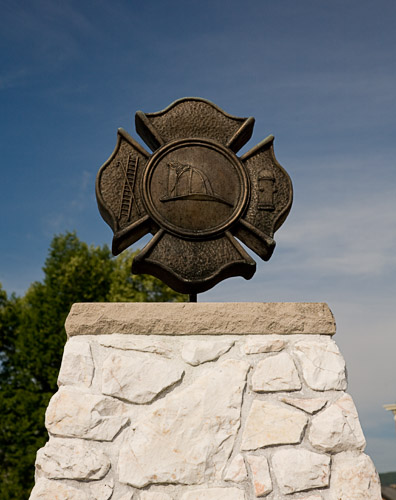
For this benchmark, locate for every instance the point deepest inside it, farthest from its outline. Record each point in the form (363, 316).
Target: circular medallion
(195, 188)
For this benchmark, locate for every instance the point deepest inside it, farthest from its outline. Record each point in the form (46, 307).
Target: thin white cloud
(353, 237)
(12, 78)
(67, 216)
(52, 33)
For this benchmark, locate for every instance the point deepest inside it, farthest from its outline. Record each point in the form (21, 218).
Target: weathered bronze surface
(194, 195)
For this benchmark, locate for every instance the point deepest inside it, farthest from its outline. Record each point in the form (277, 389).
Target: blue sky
(320, 76)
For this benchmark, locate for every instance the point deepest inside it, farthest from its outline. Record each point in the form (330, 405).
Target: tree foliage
(32, 338)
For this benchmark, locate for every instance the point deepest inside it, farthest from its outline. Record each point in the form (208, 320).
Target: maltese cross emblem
(194, 195)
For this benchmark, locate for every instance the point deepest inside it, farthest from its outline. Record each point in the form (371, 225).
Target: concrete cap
(227, 318)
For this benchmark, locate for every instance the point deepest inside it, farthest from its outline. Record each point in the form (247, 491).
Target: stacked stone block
(203, 402)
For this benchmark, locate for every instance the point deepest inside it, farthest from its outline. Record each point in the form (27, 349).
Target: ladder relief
(129, 183)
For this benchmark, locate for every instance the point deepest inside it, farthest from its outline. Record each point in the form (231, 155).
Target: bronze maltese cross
(194, 194)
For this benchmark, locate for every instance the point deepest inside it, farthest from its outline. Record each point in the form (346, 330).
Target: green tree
(32, 338)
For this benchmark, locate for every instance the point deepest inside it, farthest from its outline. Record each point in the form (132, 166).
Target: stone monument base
(203, 402)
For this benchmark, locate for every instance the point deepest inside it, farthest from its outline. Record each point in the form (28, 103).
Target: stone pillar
(203, 402)
(392, 408)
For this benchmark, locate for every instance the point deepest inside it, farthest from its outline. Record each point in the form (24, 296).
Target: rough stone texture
(138, 378)
(276, 373)
(236, 471)
(308, 405)
(56, 490)
(254, 345)
(214, 494)
(261, 478)
(187, 436)
(154, 495)
(353, 477)
(71, 459)
(300, 470)
(195, 352)
(77, 366)
(337, 428)
(322, 365)
(102, 490)
(149, 343)
(239, 318)
(311, 497)
(202, 436)
(76, 414)
(269, 424)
